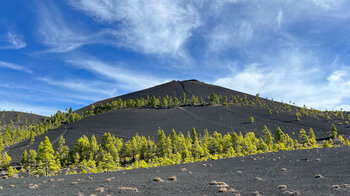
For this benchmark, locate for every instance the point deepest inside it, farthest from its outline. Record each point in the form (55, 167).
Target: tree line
(113, 153)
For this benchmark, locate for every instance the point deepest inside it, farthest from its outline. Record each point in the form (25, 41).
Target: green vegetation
(113, 153)
(251, 119)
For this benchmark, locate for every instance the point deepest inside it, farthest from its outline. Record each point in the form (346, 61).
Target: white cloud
(14, 67)
(57, 34)
(152, 26)
(41, 110)
(230, 36)
(289, 77)
(126, 79)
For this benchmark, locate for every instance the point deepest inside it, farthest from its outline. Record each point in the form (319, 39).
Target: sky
(57, 54)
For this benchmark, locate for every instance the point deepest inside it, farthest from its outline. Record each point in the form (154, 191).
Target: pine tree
(312, 137)
(46, 155)
(280, 136)
(194, 136)
(334, 131)
(32, 137)
(63, 151)
(24, 158)
(76, 158)
(5, 160)
(32, 157)
(161, 143)
(1, 144)
(268, 137)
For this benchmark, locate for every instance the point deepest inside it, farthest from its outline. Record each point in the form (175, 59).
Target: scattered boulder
(318, 176)
(125, 188)
(336, 186)
(172, 178)
(52, 180)
(90, 178)
(282, 186)
(5, 177)
(108, 179)
(1, 187)
(239, 172)
(183, 169)
(283, 169)
(317, 159)
(258, 178)
(100, 189)
(346, 185)
(80, 194)
(218, 184)
(158, 179)
(12, 185)
(223, 189)
(74, 183)
(33, 186)
(256, 193)
(291, 192)
(60, 180)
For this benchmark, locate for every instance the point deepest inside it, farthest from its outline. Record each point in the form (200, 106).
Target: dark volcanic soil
(127, 122)
(7, 116)
(261, 172)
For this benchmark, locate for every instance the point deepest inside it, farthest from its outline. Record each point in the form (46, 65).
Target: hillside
(125, 123)
(19, 118)
(174, 89)
(245, 175)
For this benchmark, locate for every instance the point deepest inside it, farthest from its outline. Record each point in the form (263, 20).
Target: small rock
(90, 178)
(283, 169)
(45, 181)
(256, 193)
(238, 194)
(183, 169)
(108, 179)
(52, 180)
(1, 187)
(282, 186)
(172, 178)
(158, 179)
(92, 194)
(60, 180)
(210, 165)
(190, 172)
(223, 189)
(336, 186)
(5, 177)
(204, 164)
(80, 194)
(33, 186)
(218, 184)
(74, 183)
(36, 176)
(318, 176)
(231, 190)
(278, 157)
(317, 159)
(346, 185)
(291, 192)
(100, 189)
(12, 185)
(258, 178)
(125, 188)
(239, 172)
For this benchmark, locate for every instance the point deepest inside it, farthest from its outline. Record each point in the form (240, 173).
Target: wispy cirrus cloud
(14, 66)
(126, 79)
(155, 27)
(288, 76)
(14, 41)
(36, 109)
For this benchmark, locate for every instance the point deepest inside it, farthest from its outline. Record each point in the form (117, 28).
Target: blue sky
(56, 54)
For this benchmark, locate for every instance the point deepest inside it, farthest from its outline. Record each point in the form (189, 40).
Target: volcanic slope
(314, 172)
(19, 118)
(125, 123)
(174, 89)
